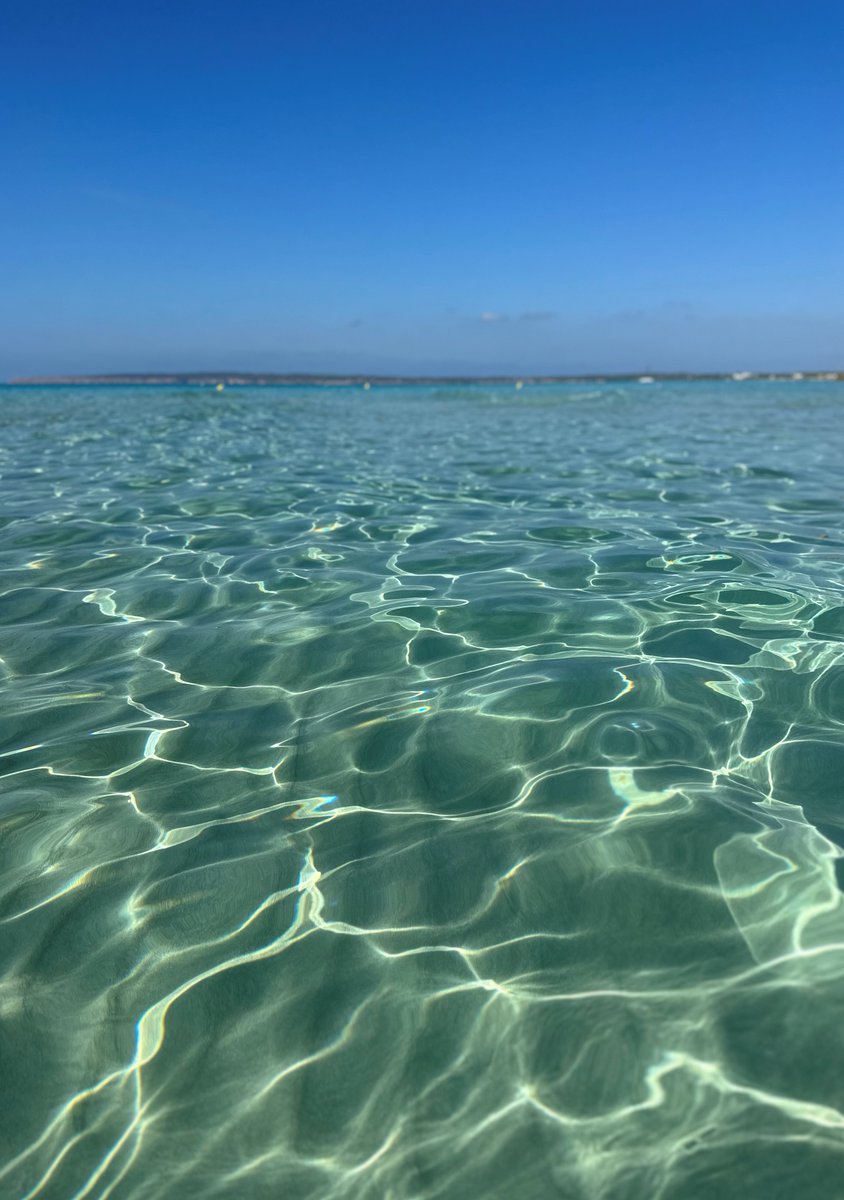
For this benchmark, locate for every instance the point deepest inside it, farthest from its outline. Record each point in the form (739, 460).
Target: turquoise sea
(422, 793)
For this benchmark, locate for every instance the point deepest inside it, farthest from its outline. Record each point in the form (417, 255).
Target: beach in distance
(257, 379)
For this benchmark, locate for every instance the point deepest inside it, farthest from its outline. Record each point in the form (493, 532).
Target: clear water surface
(422, 793)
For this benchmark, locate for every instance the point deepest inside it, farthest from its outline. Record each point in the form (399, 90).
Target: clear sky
(421, 185)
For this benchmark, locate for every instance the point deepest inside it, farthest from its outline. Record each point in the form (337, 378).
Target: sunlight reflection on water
(428, 793)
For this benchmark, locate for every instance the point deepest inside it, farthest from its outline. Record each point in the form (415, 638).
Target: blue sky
(448, 185)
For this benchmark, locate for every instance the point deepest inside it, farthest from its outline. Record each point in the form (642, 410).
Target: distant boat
(646, 379)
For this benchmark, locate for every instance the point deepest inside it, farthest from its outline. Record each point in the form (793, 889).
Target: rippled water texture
(423, 793)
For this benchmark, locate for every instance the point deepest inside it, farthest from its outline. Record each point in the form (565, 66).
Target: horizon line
(235, 378)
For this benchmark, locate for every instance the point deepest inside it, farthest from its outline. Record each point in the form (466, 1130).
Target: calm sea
(422, 793)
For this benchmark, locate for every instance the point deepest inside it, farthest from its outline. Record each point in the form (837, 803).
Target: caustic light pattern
(422, 793)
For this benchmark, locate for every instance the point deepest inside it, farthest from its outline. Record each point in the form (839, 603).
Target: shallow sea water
(422, 793)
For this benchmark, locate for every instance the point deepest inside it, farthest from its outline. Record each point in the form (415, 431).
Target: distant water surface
(422, 793)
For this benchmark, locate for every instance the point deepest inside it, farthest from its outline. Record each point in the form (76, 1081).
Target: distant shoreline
(258, 379)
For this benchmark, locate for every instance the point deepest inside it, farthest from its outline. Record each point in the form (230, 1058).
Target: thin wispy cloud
(532, 314)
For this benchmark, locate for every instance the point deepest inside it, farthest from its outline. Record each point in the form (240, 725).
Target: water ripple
(425, 792)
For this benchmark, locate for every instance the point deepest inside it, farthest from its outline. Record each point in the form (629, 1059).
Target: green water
(422, 793)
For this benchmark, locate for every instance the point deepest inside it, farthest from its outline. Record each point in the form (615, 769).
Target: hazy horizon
(631, 345)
